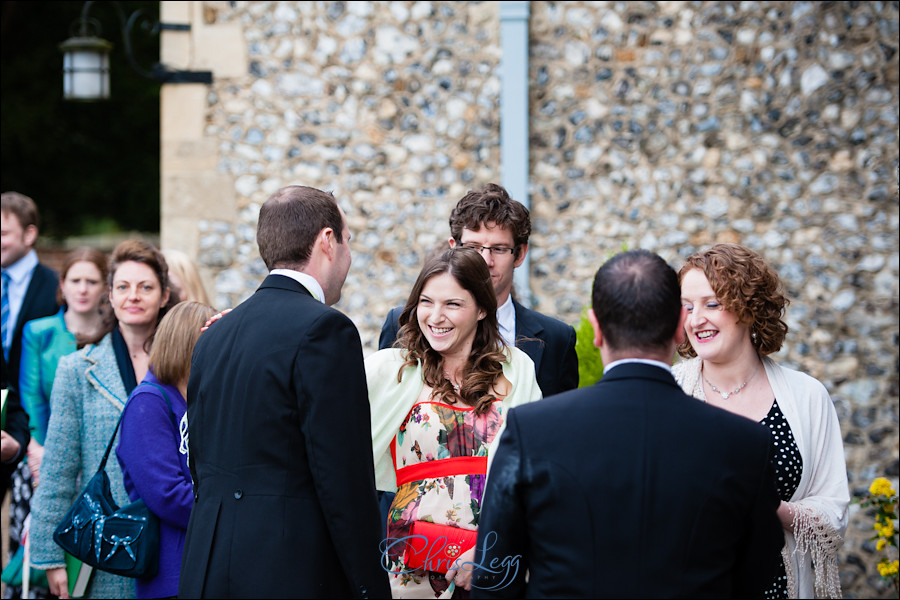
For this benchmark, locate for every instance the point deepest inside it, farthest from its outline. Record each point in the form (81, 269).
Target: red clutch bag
(436, 547)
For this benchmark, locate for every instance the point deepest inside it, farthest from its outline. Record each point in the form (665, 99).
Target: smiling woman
(89, 392)
(735, 307)
(448, 316)
(438, 406)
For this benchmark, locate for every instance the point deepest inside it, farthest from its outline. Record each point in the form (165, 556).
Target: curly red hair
(747, 286)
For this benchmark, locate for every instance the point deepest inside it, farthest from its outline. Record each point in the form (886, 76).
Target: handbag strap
(119, 422)
(166, 398)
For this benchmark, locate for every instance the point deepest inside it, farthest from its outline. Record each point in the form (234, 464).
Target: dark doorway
(92, 168)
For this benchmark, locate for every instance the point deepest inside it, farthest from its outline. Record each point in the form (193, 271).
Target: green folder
(79, 576)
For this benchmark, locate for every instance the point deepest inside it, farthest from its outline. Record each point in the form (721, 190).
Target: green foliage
(590, 365)
(99, 226)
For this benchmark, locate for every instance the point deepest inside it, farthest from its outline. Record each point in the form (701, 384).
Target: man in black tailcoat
(279, 429)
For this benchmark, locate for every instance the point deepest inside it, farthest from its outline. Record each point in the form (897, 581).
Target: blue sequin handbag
(124, 541)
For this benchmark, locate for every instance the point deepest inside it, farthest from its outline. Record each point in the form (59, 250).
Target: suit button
(238, 494)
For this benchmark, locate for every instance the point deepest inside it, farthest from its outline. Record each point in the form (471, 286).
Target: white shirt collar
(643, 361)
(506, 317)
(21, 270)
(19, 273)
(307, 281)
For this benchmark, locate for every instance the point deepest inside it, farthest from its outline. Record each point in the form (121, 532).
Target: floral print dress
(433, 432)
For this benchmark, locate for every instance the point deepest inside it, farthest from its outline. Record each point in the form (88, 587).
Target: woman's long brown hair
(485, 364)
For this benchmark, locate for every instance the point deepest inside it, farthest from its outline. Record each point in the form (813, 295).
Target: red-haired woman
(735, 305)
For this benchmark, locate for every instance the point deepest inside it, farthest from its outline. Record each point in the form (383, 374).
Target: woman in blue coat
(152, 447)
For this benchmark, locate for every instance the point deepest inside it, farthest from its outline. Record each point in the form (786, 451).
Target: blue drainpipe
(514, 117)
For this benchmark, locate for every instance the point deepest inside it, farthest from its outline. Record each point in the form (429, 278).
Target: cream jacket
(391, 401)
(821, 501)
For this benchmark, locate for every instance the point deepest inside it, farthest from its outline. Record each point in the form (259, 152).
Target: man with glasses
(490, 222)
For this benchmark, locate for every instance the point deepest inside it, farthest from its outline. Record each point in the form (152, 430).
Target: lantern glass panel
(85, 75)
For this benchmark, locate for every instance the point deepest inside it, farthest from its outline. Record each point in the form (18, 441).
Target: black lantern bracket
(85, 39)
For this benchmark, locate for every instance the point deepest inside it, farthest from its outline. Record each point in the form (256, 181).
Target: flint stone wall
(668, 126)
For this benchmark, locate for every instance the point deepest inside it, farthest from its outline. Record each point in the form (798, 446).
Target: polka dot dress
(788, 468)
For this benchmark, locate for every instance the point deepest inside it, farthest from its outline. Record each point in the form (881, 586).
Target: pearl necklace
(726, 395)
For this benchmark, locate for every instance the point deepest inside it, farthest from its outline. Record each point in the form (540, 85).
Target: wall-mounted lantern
(86, 57)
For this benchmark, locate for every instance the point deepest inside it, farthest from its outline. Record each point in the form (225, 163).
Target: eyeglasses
(494, 250)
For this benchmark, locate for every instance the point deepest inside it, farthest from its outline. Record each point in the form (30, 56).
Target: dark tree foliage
(91, 167)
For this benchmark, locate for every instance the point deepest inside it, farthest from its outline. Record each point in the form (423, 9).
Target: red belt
(445, 467)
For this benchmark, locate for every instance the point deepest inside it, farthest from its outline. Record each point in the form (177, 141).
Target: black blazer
(39, 301)
(16, 425)
(629, 489)
(549, 343)
(281, 456)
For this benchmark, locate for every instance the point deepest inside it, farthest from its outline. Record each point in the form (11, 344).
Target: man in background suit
(15, 435)
(630, 488)
(28, 292)
(29, 288)
(279, 427)
(498, 227)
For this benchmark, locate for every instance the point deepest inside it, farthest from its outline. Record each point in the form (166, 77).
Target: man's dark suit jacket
(16, 425)
(280, 452)
(629, 489)
(39, 301)
(548, 342)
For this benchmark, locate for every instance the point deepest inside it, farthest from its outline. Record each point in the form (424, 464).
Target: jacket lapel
(34, 290)
(528, 330)
(103, 373)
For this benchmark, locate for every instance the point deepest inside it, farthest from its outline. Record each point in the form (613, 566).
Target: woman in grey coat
(89, 393)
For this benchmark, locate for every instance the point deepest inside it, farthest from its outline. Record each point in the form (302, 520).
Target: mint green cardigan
(390, 402)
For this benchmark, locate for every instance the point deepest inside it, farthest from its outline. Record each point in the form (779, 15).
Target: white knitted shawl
(823, 495)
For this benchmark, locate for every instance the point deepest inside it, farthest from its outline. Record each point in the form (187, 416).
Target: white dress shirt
(20, 273)
(506, 317)
(644, 361)
(307, 281)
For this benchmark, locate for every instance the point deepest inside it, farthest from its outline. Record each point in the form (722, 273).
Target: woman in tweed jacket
(89, 393)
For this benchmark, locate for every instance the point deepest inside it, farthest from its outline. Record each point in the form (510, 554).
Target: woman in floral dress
(438, 406)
